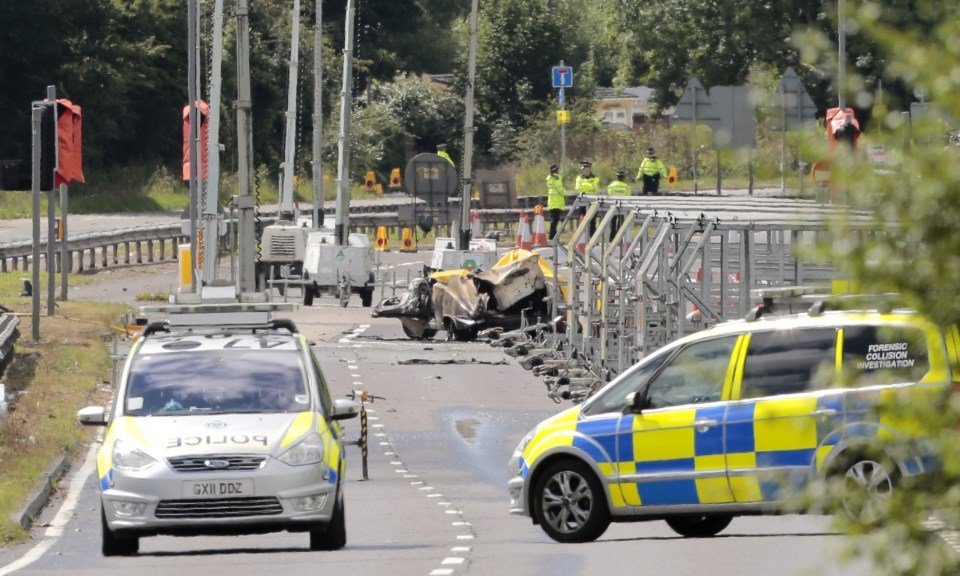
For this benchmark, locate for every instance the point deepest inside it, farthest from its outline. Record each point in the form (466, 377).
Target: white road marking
(428, 490)
(61, 518)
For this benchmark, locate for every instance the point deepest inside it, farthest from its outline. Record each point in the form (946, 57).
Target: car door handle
(704, 424)
(824, 413)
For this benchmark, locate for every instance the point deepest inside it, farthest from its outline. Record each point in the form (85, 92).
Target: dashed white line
(429, 490)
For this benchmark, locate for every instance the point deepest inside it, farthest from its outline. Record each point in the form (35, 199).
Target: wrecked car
(462, 302)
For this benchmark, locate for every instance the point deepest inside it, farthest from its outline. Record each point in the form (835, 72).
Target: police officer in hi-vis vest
(618, 187)
(651, 171)
(556, 198)
(589, 184)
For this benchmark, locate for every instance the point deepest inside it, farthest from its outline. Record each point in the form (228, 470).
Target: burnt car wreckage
(518, 288)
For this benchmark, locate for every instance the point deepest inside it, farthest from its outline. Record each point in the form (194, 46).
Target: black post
(363, 439)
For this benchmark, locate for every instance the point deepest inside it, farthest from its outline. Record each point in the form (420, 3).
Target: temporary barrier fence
(667, 271)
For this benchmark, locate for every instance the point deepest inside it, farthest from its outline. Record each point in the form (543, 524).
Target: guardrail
(8, 336)
(157, 243)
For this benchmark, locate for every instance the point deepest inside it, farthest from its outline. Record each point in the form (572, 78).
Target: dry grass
(68, 368)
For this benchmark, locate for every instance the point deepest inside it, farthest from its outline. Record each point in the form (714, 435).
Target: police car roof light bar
(231, 315)
(165, 326)
(815, 301)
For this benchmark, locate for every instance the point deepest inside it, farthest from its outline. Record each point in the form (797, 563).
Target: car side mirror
(92, 416)
(344, 409)
(635, 402)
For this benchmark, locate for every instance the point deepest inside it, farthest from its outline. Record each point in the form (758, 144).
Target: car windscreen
(216, 382)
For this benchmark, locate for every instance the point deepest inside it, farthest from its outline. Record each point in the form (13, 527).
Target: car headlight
(524, 443)
(514, 465)
(129, 456)
(309, 450)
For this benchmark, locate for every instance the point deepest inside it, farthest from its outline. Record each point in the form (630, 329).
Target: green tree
(518, 42)
(667, 42)
(917, 255)
(115, 59)
(401, 119)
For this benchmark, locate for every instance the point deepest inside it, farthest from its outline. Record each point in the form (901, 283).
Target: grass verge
(49, 380)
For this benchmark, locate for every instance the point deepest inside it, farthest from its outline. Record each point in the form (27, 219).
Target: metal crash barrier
(651, 273)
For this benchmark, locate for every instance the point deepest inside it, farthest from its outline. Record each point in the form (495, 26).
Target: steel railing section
(9, 334)
(147, 244)
(657, 268)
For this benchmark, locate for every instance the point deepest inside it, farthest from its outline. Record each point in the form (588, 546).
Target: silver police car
(221, 430)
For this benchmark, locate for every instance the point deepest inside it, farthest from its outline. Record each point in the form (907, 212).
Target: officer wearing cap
(587, 183)
(618, 187)
(442, 152)
(651, 170)
(556, 198)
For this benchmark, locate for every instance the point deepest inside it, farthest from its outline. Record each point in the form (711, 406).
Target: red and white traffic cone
(539, 227)
(524, 241)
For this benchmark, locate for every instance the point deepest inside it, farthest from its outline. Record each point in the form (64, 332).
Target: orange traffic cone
(539, 227)
(382, 239)
(406, 241)
(523, 232)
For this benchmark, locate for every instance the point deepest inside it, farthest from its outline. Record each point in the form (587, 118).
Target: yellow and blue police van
(735, 419)
(221, 423)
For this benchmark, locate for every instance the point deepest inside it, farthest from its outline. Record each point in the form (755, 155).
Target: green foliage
(402, 118)
(914, 206)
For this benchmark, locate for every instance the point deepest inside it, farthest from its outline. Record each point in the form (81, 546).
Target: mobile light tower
(468, 132)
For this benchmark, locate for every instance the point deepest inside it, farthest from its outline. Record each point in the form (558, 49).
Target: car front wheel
(699, 526)
(569, 502)
(333, 536)
(116, 543)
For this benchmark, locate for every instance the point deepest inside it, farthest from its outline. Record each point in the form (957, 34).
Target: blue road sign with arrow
(562, 77)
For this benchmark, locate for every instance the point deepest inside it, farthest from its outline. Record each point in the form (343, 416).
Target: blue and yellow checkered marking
(603, 433)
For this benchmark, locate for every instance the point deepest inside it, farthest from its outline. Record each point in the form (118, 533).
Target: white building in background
(627, 108)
